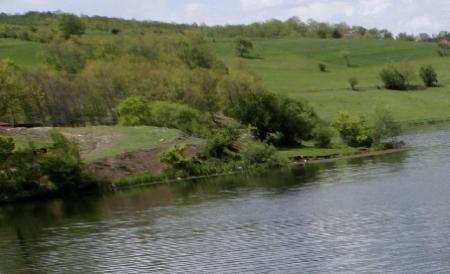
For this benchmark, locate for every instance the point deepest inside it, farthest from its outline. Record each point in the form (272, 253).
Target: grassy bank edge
(147, 179)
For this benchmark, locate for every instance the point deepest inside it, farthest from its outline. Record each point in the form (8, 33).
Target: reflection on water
(387, 214)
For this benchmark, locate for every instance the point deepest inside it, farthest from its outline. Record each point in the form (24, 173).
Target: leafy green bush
(397, 78)
(322, 67)
(243, 46)
(384, 126)
(63, 166)
(270, 113)
(220, 144)
(70, 24)
(134, 111)
(257, 153)
(137, 111)
(428, 76)
(353, 130)
(179, 116)
(323, 136)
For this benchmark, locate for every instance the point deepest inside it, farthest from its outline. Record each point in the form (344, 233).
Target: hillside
(290, 67)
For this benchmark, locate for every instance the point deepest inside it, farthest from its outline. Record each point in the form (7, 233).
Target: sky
(412, 16)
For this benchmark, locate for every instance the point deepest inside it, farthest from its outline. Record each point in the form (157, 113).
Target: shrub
(70, 24)
(428, 76)
(220, 144)
(270, 114)
(179, 116)
(243, 46)
(115, 31)
(323, 136)
(257, 153)
(353, 130)
(63, 164)
(353, 82)
(174, 157)
(384, 126)
(397, 78)
(322, 67)
(134, 111)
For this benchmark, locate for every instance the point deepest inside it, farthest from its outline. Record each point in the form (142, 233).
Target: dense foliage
(397, 77)
(428, 76)
(32, 172)
(353, 129)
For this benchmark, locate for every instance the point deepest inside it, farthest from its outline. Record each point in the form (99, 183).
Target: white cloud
(422, 23)
(372, 7)
(323, 11)
(251, 4)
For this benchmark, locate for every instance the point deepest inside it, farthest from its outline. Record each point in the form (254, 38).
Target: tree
(353, 130)
(353, 82)
(384, 125)
(243, 46)
(70, 24)
(397, 77)
(428, 76)
(134, 111)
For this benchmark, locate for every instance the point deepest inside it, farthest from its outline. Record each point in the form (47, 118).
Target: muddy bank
(132, 163)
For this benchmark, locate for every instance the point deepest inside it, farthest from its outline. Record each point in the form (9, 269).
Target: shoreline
(119, 187)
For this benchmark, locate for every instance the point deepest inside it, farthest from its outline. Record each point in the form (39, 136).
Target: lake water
(386, 214)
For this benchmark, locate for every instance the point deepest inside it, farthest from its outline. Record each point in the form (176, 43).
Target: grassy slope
(23, 53)
(103, 141)
(290, 67)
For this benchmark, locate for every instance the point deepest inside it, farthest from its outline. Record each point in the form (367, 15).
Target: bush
(70, 24)
(243, 46)
(384, 126)
(62, 164)
(220, 144)
(137, 111)
(269, 114)
(179, 116)
(257, 153)
(115, 31)
(323, 136)
(322, 67)
(353, 130)
(134, 111)
(353, 82)
(428, 76)
(397, 78)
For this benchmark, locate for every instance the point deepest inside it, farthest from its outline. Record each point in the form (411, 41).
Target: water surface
(386, 214)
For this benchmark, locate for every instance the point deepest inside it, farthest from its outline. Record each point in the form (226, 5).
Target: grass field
(103, 141)
(290, 67)
(27, 54)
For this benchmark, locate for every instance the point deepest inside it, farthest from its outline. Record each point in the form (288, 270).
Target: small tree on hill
(70, 24)
(397, 77)
(243, 46)
(428, 76)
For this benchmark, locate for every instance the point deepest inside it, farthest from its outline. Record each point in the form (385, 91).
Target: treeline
(43, 27)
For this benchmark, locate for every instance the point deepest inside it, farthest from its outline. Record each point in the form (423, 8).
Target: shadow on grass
(251, 57)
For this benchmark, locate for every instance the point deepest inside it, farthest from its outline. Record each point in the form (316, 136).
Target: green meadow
(26, 54)
(290, 67)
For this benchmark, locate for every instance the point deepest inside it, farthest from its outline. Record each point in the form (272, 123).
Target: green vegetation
(289, 67)
(428, 76)
(30, 172)
(243, 47)
(121, 86)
